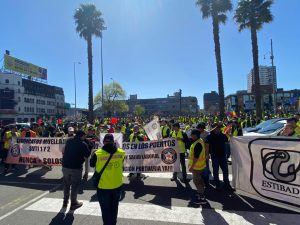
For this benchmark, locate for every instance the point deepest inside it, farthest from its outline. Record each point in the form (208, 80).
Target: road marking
(27, 183)
(173, 214)
(29, 202)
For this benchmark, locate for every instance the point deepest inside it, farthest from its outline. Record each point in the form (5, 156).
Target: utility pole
(180, 93)
(274, 79)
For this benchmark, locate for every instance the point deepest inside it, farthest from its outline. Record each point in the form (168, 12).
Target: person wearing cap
(11, 133)
(197, 164)
(165, 130)
(74, 154)
(203, 135)
(216, 141)
(136, 136)
(70, 132)
(182, 139)
(111, 180)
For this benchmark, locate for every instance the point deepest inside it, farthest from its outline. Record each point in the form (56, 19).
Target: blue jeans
(220, 162)
(109, 203)
(205, 173)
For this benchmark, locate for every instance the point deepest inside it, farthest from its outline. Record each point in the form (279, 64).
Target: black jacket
(74, 154)
(108, 148)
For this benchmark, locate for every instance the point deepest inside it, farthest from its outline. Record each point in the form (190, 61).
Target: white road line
(185, 215)
(27, 183)
(29, 202)
(169, 175)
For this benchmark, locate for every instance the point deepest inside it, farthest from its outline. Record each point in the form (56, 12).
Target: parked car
(261, 125)
(19, 125)
(272, 129)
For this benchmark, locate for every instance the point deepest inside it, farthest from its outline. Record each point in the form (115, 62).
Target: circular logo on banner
(15, 150)
(154, 126)
(169, 156)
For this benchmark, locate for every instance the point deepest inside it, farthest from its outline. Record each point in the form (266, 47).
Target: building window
(7, 81)
(19, 83)
(19, 99)
(19, 109)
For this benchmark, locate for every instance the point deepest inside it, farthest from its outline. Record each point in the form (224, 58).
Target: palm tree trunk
(90, 66)
(256, 72)
(219, 66)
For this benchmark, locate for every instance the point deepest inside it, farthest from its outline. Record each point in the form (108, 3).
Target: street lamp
(74, 67)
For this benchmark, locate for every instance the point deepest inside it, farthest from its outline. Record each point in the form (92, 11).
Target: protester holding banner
(216, 141)
(111, 178)
(165, 130)
(74, 154)
(197, 164)
(136, 136)
(182, 139)
(8, 135)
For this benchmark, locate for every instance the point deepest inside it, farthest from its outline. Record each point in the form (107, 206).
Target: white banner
(152, 156)
(268, 168)
(152, 130)
(118, 137)
(36, 151)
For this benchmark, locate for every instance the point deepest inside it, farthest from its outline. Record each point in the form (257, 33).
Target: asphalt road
(35, 197)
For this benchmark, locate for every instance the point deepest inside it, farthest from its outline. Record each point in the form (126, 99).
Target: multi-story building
(244, 101)
(211, 102)
(267, 79)
(25, 100)
(172, 105)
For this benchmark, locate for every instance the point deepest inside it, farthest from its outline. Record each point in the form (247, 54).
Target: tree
(216, 9)
(252, 14)
(89, 23)
(114, 99)
(139, 110)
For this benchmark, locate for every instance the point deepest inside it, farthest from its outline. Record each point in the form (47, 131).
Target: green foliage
(113, 99)
(139, 110)
(88, 21)
(253, 13)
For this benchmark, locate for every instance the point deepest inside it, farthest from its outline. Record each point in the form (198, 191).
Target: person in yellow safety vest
(12, 132)
(181, 138)
(165, 130)
(197, 165)
(111, 180)
(136, 136)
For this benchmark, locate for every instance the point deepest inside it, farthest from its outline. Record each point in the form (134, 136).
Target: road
(34, 196)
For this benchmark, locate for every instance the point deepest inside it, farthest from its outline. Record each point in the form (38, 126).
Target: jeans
(220, 162)
(109, 203)
(198, 181)
(183, 166)
(205, 173)
(71, 177)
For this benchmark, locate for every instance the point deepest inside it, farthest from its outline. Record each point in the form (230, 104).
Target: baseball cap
(108, 138)
(201, 125)
(70, 129)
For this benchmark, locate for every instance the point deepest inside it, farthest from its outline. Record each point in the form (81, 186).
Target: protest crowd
(203, 141)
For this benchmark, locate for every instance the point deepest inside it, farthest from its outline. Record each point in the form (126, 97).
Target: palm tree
(216, 9)
(253, 14)
(89, 23)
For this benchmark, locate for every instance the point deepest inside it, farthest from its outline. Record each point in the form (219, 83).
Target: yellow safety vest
(164, 131)
(136, 138)
(201, 161)
(181, 145)
(112, 176)
(7, 138)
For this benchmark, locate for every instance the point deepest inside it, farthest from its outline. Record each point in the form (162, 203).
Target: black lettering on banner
(52, 161)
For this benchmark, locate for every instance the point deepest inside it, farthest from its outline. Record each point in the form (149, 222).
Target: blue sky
(151, 47)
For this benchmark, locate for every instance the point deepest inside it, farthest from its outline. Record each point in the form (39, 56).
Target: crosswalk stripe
(173, 214)
(169, 175)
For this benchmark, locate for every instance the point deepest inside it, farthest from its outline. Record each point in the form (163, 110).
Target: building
(267, 79)
(245, 102)
(25, 100)
(171, 105)
(211, 102)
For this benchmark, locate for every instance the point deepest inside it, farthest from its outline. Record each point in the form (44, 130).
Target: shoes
(76, 205)
(229, 188)
(218, 187)
(200, 199)
(173, 178)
